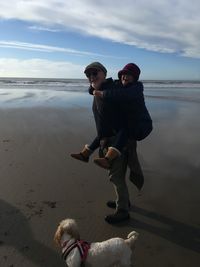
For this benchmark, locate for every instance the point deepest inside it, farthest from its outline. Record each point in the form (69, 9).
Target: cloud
(48, 48)
(40, 68)
(40, 28)
(171, 26)
(43, 48)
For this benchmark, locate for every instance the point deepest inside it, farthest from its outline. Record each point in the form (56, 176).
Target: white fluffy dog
(76, 253)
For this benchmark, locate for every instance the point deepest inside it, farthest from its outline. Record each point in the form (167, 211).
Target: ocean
(29, 92)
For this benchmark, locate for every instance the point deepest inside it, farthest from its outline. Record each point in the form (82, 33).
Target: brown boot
(106, 162)
(83, 155)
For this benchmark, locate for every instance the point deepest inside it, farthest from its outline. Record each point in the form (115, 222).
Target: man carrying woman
(121, 119)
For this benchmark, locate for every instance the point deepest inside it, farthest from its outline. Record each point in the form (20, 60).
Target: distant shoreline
(83, 79)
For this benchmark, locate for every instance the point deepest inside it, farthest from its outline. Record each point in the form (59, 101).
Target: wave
(176, 98)
(44, 84)
(171, 84)
(82, 84)
(41, 81)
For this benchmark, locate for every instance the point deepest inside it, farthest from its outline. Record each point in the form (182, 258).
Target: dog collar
(82, 246)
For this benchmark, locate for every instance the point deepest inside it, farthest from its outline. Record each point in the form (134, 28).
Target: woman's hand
(98, 93)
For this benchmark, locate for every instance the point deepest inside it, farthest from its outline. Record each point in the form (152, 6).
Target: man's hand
(98, 93)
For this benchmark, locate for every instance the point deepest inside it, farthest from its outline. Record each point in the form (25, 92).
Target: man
(104, 114)
(96, 74)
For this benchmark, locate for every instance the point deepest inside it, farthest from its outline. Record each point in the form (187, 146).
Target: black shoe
(119, 216)
(112, 204)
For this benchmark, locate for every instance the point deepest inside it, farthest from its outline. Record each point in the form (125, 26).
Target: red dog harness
(82, 246)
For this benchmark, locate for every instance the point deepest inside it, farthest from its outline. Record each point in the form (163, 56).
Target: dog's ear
(72, 229)
(58, 234)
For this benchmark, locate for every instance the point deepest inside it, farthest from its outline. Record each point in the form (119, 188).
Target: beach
(41, 184)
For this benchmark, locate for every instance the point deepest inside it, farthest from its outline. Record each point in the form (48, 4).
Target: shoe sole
(81, 159)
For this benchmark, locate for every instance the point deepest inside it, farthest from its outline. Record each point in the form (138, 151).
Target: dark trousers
(117, 173)
(119, 142)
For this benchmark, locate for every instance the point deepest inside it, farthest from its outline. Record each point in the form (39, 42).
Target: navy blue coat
(121, 107)
(132, 110)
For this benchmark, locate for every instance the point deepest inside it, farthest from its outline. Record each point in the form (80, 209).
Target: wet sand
(41, 185)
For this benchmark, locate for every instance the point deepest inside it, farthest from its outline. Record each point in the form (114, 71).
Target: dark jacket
(132, 110)
(105, 111)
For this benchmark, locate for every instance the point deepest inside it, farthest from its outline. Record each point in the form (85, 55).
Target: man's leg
(117, 175)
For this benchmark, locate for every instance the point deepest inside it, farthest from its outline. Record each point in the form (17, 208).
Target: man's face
(95, 77)
(127, 78)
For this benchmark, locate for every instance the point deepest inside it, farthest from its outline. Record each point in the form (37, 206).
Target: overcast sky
(57, 38)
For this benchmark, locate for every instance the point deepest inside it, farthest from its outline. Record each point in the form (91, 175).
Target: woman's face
(126, 79)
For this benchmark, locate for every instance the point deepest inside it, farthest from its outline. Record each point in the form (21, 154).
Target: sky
(58, 38)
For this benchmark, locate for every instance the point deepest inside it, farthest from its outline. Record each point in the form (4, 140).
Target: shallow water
(13, 98)
(174, 108)
(29, 92)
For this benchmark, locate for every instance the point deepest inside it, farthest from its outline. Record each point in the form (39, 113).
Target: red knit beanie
(130, 68)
